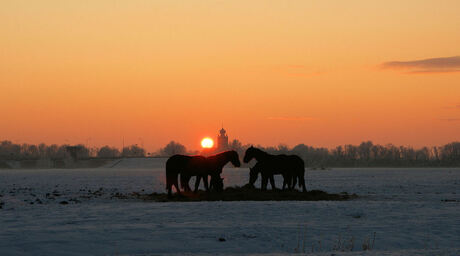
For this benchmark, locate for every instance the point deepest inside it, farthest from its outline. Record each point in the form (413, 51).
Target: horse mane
(261, 153)
(223, 157)
(218, 155)
(195, 156)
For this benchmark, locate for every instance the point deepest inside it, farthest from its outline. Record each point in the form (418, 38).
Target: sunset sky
(322, 73)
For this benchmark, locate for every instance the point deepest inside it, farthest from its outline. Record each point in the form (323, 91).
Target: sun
(207, 142)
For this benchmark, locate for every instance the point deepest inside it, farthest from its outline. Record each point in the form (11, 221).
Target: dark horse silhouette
(258, 168)
(199, 166)
(291, 167)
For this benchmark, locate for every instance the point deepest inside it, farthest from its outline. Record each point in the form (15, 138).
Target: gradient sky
(322, 73)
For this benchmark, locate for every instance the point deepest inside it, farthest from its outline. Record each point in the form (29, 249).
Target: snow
(411, 212)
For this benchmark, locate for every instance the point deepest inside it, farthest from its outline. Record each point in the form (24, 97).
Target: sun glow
(207, 142)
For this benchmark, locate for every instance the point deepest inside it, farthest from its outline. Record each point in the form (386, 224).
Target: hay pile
(241, 194)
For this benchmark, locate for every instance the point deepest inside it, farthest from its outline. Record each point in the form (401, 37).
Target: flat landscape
(406, 211)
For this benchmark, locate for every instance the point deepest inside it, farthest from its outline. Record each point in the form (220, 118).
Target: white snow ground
(411, 212)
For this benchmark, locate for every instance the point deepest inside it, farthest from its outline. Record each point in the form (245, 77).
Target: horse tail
(302, 174)
(171, 173)
(168, 171)
(301, 164)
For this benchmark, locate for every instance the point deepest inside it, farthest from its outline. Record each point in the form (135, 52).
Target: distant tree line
(12, 151)
(366, 154)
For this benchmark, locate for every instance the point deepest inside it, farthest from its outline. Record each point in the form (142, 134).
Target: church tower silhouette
(222, 140)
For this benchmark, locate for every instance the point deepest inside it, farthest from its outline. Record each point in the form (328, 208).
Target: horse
(199, 166)
(291, 167)
(298, 169)
(216, 164)
(259, 168)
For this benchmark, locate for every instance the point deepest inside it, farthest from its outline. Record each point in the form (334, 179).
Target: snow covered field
(70, 212)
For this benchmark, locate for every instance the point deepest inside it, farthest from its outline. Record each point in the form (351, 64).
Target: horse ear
(251, 146)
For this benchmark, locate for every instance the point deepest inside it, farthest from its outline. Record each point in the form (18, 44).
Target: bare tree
(173, 148)
(133, 151)
(108, 152)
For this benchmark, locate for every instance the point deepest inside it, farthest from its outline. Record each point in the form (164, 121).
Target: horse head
(249, 154)
(234, 158)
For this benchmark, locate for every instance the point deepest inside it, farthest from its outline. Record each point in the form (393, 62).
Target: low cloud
(433, 65)
(291, 118)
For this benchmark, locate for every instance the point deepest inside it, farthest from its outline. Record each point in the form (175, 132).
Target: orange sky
(271, 71)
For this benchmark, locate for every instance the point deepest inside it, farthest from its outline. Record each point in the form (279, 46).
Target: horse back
(187, 165)
(287, 163)
(176, 160)
(197, 162)
(179, 162)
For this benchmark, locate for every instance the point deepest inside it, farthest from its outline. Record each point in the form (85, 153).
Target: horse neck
(261, 155)
(222, 159)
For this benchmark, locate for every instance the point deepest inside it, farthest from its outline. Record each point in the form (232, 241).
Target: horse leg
(170, 174)
(184, 182)
(171, 180)
(175, 182)
(205, 181)
(211, 183)
(177, 187)
(302, 182)
(285, 181)
(272, 182)
(187, 183)
(264, 182)
(289, 181)
(169, 188)
(294, 181)
(197, 183)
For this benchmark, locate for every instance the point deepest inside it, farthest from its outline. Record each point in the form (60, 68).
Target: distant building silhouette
(222, 140)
